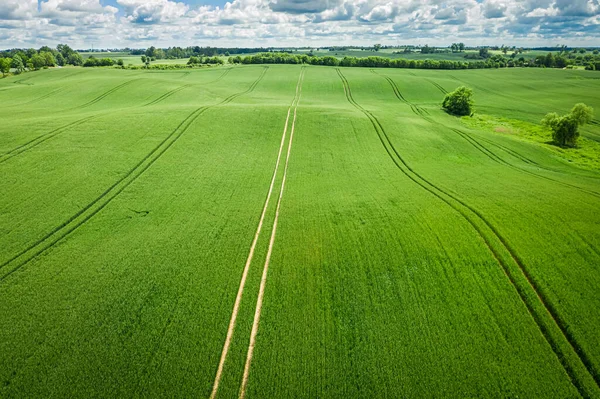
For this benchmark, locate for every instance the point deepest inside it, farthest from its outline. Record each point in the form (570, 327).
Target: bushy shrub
(459, 102)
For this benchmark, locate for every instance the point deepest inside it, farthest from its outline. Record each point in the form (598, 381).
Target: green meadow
(402, 252)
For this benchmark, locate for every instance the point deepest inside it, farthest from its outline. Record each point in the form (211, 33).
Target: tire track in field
(168, 94)
(22, 81)
(417, 110)
(105, 94)
(46, 136)
(42, 138)
(414, 107)
(494, 93)
(180, 88)
(86, 213)
(439, 87)
(486, 151)
(528, 160)
(263, 280)
(45, 96)
(238, 299)
(221, 76)
(71, 75)
(553, 328)
(53, 92)
(493, 156)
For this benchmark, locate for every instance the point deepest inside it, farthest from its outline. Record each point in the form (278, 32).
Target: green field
(409, 253)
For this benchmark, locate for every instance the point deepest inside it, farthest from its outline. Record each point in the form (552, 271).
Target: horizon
(302, 23)
(338, 46)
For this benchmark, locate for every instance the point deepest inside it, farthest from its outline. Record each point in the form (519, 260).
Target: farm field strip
(482, 148)
(46, 136)
(133, 231)
(47, 95)
(106, 94)
(180, 88)
(87, 212)
(263, 280)
(168, 94)
(238, 299)
(40, 139)
(554, 329)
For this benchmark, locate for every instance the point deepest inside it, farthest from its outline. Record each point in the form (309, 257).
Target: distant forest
(17, 61)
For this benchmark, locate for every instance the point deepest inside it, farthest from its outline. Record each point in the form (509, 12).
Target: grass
(586, 154)
(416, 253)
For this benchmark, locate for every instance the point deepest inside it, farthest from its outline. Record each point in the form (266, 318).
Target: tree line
(21, 60)
(99, 62)
(172, 53)
(493, 61)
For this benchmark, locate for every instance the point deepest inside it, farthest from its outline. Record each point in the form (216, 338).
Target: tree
(65, 50)
(454, 47)
(5, 65)
(17, 64)
(159, 54)
(377, 47)
(60, 59)
(49, 59)
(151, 52)
(427, 50)
(582, 114)
(484, 52)
(459, 102)
(38, 61)
(75, 59)
(565, 129)
(461, 47)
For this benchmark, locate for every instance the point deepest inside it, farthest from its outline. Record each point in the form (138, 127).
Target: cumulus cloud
(493, 9)
(299, 22)
(153, 11)
(17, 9)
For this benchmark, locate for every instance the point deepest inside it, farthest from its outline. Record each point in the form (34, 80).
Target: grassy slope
(134, 315)
(376, 286)
(361, 244)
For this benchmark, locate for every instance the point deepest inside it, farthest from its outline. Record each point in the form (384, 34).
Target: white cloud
(153, 11)
(139, 23)
(17, 9)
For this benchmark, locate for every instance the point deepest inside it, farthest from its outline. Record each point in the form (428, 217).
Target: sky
(263, 23)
